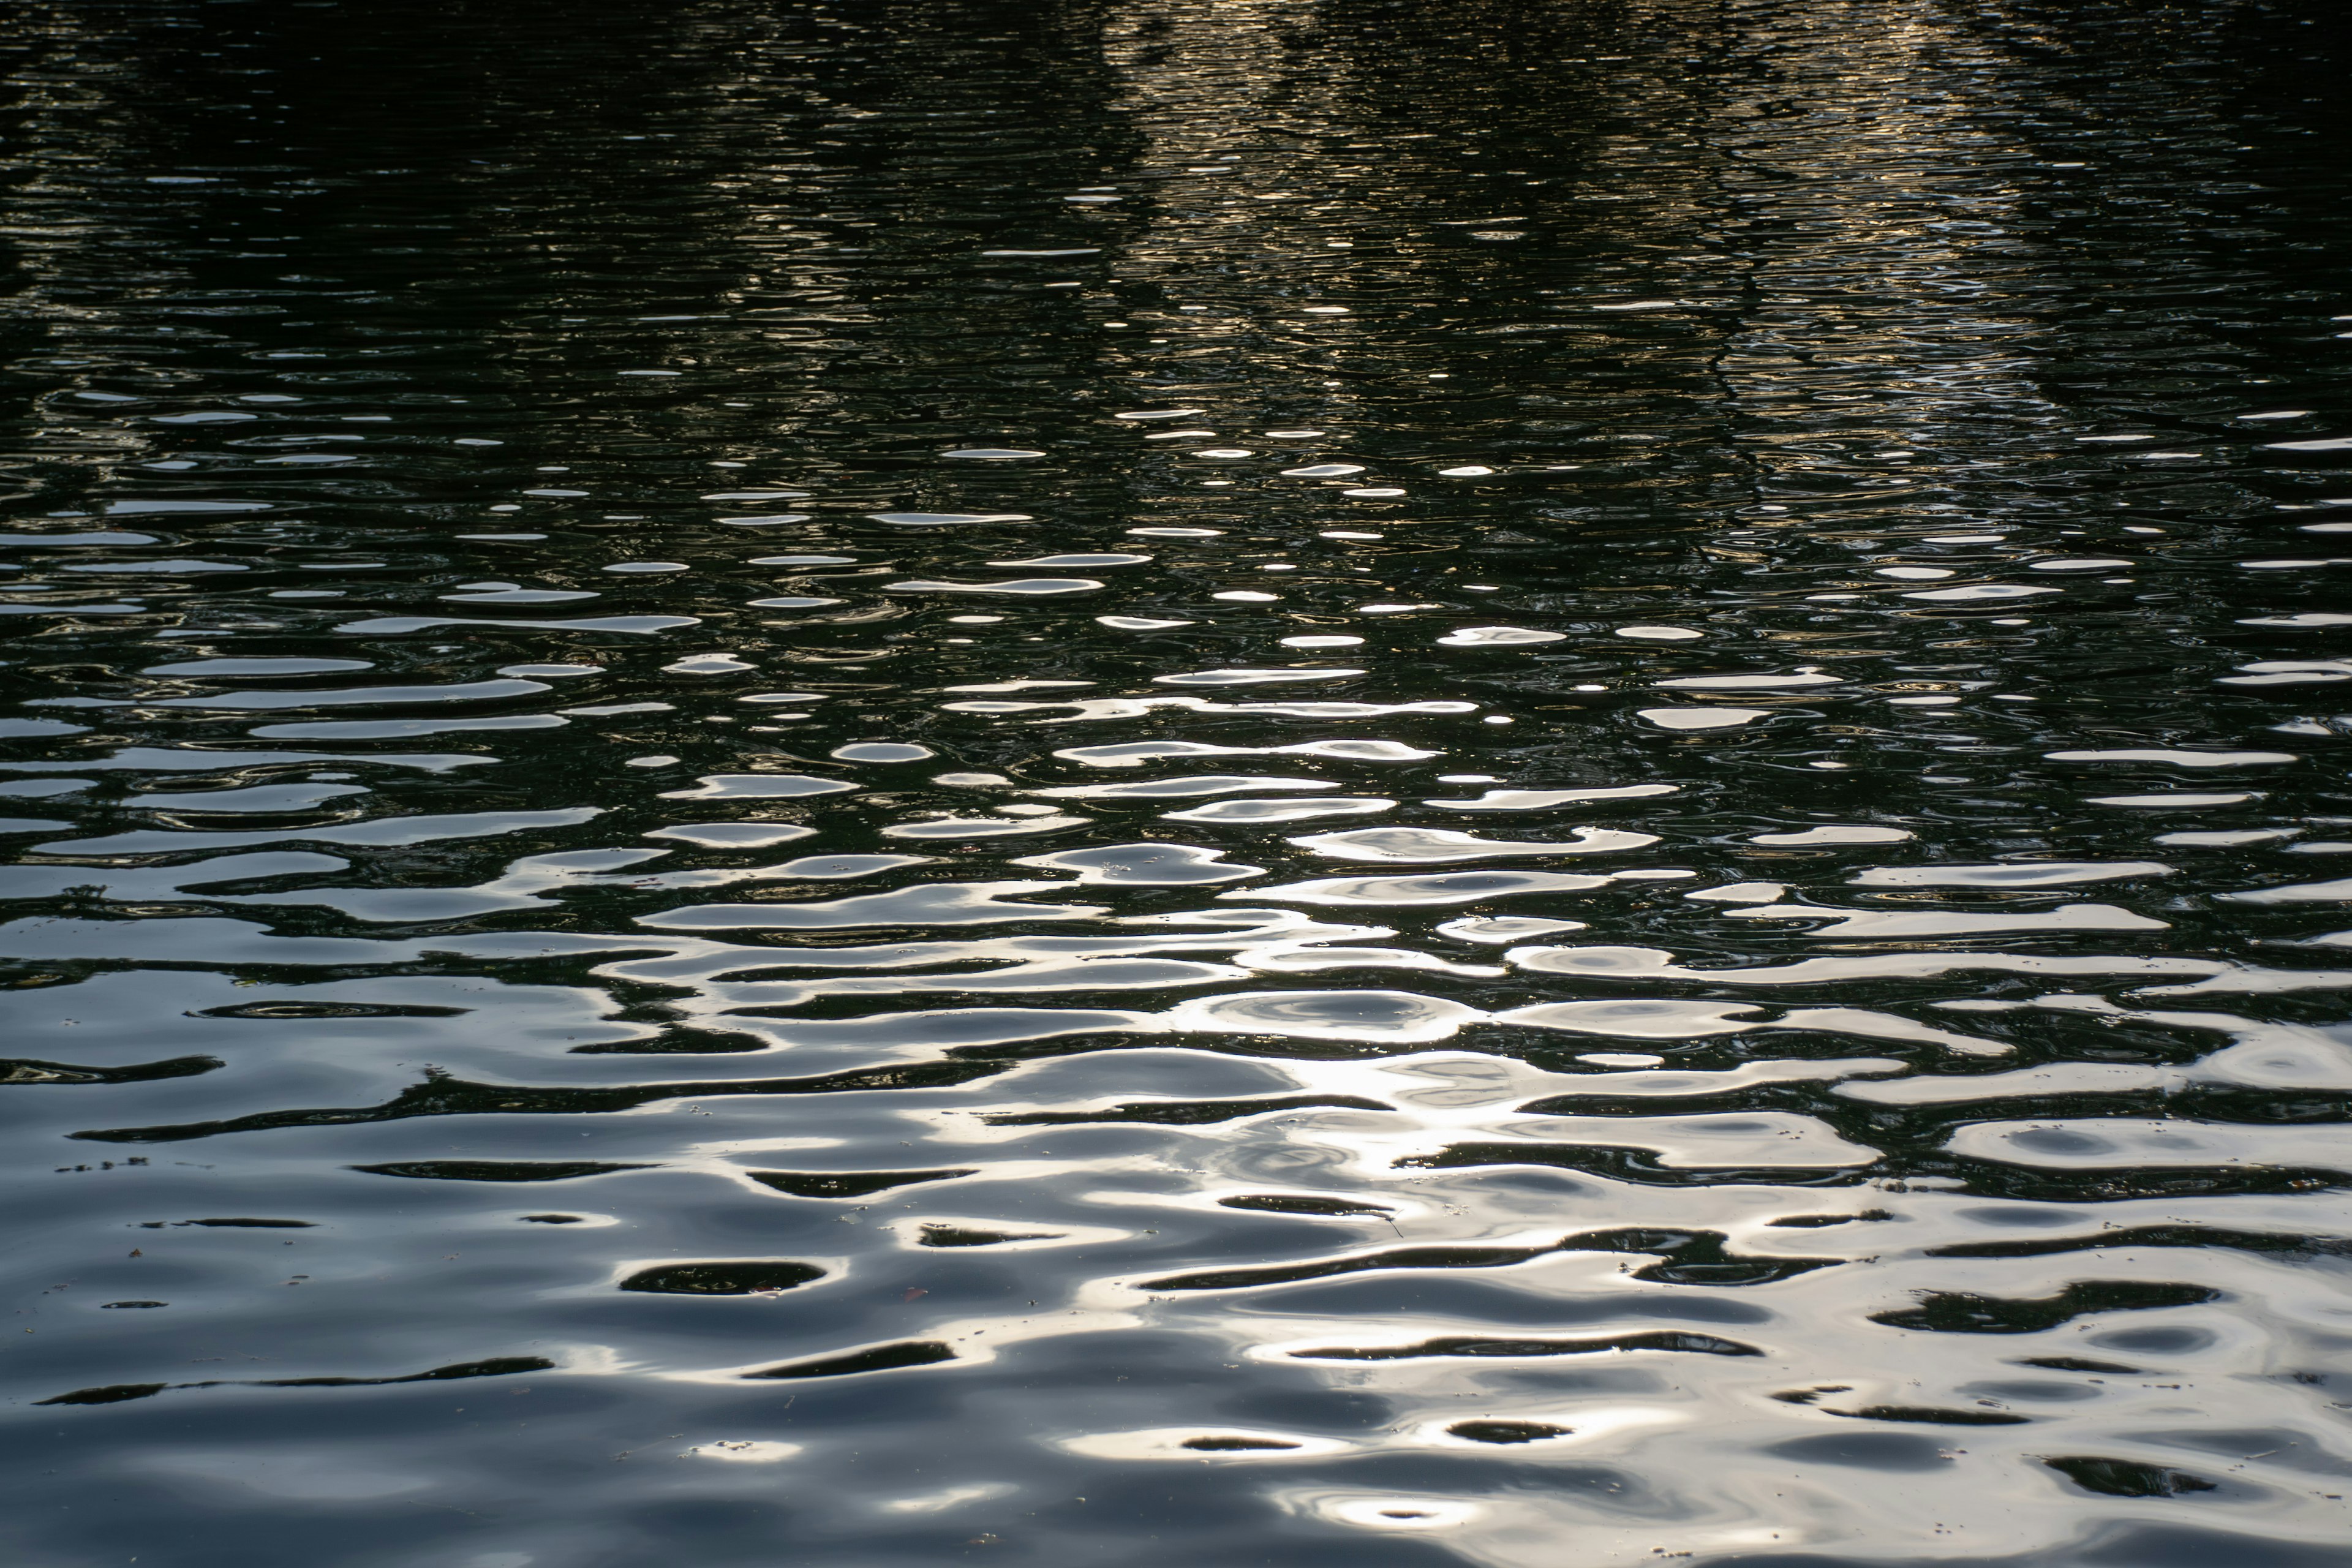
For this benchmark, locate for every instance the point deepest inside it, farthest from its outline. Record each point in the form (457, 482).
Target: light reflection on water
(1354, 783)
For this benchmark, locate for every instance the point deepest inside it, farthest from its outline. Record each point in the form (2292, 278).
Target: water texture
(1542, 785)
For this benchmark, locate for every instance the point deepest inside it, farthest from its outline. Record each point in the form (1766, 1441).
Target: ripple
(1431, 844)
(1386, 1016)
(786, 1019)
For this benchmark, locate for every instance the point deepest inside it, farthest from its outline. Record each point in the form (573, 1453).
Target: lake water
(1343, 785)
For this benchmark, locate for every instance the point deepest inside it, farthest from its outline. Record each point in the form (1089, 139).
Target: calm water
(1314, 784)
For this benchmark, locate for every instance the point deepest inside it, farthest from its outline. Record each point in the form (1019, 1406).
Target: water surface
(1345, 783)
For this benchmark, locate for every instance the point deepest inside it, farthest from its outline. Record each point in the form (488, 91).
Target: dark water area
(1536, 785)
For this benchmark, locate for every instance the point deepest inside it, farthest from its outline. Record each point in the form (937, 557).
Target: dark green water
(1379, 785)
